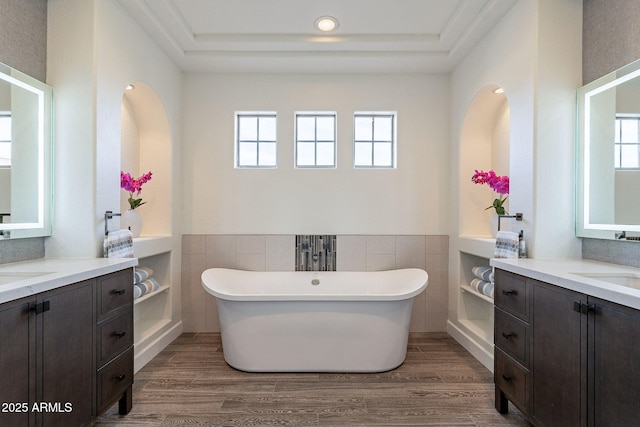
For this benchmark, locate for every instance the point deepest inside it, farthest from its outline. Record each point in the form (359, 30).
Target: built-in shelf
(481, 246)
(145, 246)
(146, 145)
(475, 310)
(152, 312)
(164, 288)
(469, 289)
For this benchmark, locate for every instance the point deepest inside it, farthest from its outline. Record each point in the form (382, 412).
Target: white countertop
(566, 273)
(22, 279)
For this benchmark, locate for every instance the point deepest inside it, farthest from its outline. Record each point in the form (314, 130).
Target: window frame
(315, 141)
(257, 114)
(7, 114)
(618, 158)
(393, 115)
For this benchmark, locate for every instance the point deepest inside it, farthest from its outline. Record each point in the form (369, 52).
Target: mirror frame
(44, 92)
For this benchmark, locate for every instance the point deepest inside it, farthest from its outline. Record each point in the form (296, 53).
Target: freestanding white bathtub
(314, 321)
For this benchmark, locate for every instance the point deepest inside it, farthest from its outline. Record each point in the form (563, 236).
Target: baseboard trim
(149, 351)
(471, 345)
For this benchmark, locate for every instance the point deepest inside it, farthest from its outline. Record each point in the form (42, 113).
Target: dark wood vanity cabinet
(565, 358)
(50, 362)
(114, 355)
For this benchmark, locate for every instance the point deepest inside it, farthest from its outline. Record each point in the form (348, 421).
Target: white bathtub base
(312, 336)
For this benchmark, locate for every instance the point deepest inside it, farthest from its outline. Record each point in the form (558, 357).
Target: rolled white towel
(483, 273)
(146, 286)
(482, 286)
(141, 274)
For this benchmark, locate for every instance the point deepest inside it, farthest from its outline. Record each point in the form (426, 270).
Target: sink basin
(10, 277)
(624, 279)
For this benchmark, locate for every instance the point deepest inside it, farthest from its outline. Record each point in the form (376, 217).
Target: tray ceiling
(377, 36)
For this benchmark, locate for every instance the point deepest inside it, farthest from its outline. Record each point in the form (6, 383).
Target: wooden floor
(440, 384)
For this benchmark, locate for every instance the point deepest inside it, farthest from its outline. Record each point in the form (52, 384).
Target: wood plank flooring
(189, 383)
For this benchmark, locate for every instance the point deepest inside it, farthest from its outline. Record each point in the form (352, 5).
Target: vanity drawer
(114, 291)
(512, 336)
(511, 294)
(114, 378)
(115, 336)
(512, 379)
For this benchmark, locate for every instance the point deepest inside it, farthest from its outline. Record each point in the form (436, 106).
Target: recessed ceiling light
(498, 90)
(326, 23)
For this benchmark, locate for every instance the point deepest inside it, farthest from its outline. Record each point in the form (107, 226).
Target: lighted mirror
(25, 155)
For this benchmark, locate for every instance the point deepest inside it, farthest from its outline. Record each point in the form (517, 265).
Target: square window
(5, 139)
(626, 142)
(374, 142)
(256, 140)
(316, 139)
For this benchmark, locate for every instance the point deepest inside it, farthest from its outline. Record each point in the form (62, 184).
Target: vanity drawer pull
(118, 291)
(506, 378)
(508, 336)
(121, 377)
(511, 292)
(119, 334)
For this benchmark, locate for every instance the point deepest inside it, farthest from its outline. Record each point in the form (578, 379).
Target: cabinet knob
(41, 307)
(118, 291)
(510, 292)
(121, 377)
(119, 334)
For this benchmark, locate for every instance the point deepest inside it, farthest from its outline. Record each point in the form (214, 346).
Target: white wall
(413, 199)
(534, 54)
(94, 51)
(558, 75)
(70, 70)
(505, 57)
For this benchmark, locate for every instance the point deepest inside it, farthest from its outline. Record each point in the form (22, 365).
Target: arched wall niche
(146, 146)
(484, 145)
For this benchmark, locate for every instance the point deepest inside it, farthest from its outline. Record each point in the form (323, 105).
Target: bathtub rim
(418, 275)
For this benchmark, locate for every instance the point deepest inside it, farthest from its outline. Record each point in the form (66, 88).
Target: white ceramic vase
(132, 220)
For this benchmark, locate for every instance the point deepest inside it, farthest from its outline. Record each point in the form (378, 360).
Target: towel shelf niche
(470, 290)
(154, 324)
(473, 325)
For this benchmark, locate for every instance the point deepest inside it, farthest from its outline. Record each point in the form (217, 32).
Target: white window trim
(627, 116)
(335, 138)
(236, 137)
(394, 143)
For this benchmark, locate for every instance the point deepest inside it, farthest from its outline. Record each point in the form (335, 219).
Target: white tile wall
(277, 253)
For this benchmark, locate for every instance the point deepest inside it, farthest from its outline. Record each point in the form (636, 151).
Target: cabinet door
(17, 364)
(614, 383)
(66, 355)
(558, 357)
